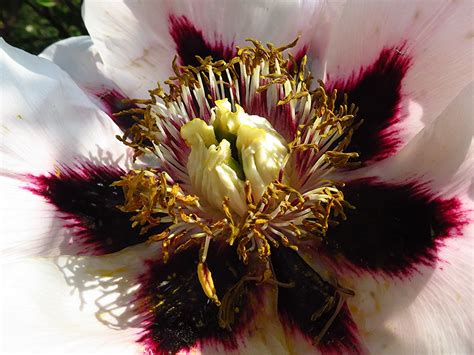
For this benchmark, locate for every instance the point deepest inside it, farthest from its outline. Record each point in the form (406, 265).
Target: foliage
(35, 24)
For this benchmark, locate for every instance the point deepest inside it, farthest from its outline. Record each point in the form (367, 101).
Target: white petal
(437, 36)
(278, 22)
(137, 48)
(429, 313)
(28, 224)
(134, 52)
(71, 305)
(324, 24)
(85, 305)
(47, 123)
(80, 59)
(442, 154)
(47, 120)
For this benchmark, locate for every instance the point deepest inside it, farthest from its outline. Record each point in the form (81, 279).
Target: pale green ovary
(215, 173)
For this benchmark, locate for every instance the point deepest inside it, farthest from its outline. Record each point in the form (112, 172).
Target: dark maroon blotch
(393, 227)
(89, 205)
(376, 90)
(114, 102)
(310, 293)
(190, 42)
(182, 315)
(342, 336)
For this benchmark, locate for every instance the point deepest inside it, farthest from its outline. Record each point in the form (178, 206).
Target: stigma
(234, 148)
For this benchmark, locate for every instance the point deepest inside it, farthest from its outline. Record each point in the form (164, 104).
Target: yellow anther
(207, 283)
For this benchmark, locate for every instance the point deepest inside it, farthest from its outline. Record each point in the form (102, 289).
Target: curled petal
(80, 59)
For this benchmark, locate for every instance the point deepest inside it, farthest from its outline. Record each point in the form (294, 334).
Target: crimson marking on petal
(297, 304)
(298, 56)
(177, 315)
(112, 102)
(88, 203)
(394, 228)
(191, 42)
(376, 90)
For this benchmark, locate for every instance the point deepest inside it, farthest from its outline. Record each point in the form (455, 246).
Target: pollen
(242, 154)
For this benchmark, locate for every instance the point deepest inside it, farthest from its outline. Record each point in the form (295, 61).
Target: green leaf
(47, 3)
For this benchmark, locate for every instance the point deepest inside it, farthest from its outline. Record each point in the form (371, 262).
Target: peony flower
(245, 206)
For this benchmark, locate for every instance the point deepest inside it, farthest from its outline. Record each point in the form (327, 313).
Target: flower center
(240, 154)
(235, 147)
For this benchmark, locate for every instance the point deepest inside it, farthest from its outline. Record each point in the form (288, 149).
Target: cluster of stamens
(299, 204)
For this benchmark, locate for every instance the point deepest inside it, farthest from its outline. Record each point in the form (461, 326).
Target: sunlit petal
(138, 40)
(402, 67)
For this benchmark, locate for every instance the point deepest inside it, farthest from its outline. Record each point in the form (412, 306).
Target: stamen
(244, 149)
(205, 278)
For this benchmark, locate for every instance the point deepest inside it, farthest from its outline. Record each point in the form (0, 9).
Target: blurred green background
(34, 24)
